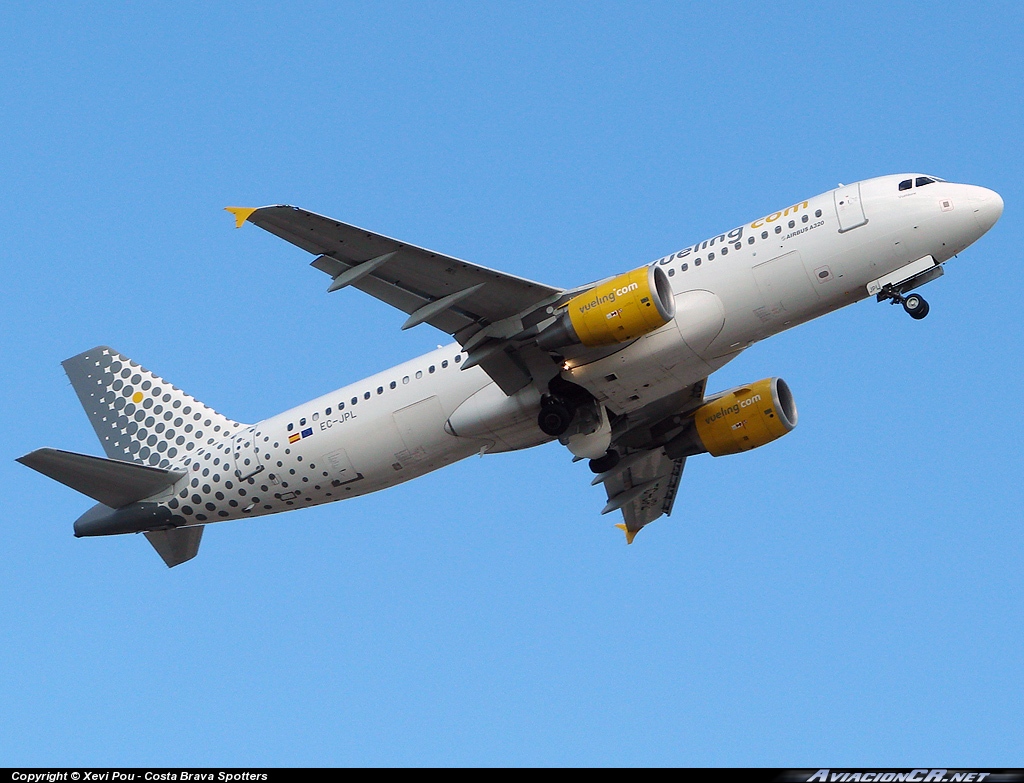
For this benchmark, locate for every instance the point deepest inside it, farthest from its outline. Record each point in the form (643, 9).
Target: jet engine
(738, 420)
(616, 311)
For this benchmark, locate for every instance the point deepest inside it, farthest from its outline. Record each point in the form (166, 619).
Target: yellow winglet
(630, 534)
(241, 214)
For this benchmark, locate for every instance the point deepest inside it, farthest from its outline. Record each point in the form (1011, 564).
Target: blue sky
(851, 594)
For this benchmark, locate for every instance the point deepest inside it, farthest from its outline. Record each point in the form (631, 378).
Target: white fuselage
(731, 290)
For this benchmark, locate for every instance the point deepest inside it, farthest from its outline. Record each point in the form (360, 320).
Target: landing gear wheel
(554, 419)
(607, 462)
(916, 307)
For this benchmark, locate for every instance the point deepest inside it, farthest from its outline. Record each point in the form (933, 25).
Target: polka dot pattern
(137, 415)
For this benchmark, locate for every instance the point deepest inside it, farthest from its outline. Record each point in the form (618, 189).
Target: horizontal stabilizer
(112, 482)
(178, 545)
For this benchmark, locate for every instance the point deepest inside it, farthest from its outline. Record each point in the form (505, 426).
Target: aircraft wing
(643, 484)
(644, 489)
(481, 308)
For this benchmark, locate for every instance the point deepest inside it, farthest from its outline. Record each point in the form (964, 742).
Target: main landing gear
(555, 416)
(915, 305)
(559, 407)
(607, 462)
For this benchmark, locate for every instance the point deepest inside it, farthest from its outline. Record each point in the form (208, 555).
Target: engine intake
(616, 311)
(740, 420)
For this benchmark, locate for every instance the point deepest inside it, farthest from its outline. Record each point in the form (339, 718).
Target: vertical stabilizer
(137, 415)
(178, 545)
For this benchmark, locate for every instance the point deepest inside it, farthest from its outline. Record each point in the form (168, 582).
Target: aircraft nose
(987, 206)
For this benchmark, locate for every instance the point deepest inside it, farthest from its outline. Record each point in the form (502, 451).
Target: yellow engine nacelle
(616, 311)
(745, 418)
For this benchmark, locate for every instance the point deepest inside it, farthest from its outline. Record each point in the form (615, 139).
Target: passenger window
(405, 379)
(291, 427)
(393, 384)
(778, 229)
(764, 235)
(341, 406)
(366, 395)
(327, 412)
(458, 358)
(302, 422)
(316, 416)
(685, 267)
(924, 181)
(431, 368)
(444, 364)
(750, 241)
(380, 390)
(671, 272)
(906, 184)
(354, 400)
(419, 374)
(817, 213)
(792, 223)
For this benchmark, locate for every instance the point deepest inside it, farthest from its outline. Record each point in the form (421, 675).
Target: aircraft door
(785, 287)
(247, 463)
(849, 208)
(421, 426)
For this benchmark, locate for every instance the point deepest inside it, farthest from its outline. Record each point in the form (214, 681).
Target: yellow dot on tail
(137, 397)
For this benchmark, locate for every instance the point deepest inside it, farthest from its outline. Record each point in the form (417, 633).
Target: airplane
(616, 370)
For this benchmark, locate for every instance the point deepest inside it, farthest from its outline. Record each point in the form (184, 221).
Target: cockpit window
(906, 184)
(923, 181)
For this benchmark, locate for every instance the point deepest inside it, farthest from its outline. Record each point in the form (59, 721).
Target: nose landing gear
(915, 305)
